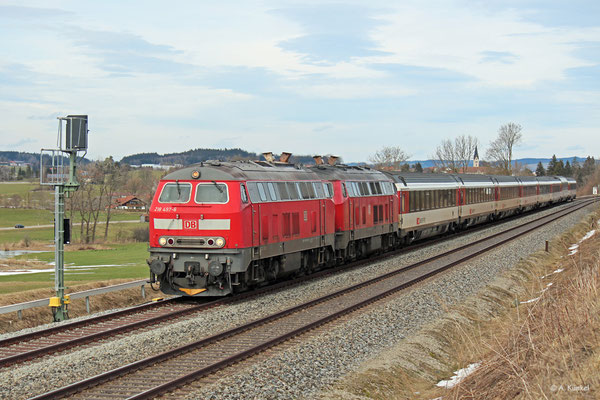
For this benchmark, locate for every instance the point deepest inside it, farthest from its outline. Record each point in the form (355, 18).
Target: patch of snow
(588, 235)
(458, 376)
(24, 271)
(69, 269)
(556, 271)
(529, 301)
(574, 247)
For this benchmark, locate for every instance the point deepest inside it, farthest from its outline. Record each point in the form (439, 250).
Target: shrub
(141, 234)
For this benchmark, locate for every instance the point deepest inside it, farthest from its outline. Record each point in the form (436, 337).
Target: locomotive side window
(378, 188)
(292, 191)
(344, 192)
(272, 191)
(318, 189)
(372, 187)
(311, 190)
(303, 186)
(243, 193)
(175, 193)
(212, 193)
(261, 191)
(330, 190)
(283, 191)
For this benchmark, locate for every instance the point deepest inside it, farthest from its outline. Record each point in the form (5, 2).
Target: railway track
(60, 338)
(167, 371)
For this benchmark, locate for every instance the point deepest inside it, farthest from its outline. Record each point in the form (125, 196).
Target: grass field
(117, 233)
(28, 217)
(124, 261)
(9, 189)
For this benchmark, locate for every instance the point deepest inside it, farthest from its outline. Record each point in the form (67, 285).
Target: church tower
(476, 158)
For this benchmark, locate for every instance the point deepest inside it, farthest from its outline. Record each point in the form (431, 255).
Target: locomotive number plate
(190, 224)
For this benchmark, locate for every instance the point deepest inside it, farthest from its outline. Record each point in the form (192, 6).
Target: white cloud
(457, 38)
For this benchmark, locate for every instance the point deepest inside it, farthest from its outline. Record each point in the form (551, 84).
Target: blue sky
(308, 77)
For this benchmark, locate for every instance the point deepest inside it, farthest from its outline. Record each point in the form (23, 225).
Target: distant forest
(197, 155)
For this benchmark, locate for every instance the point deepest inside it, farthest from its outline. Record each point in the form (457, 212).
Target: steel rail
(494, 241)
(113, 331)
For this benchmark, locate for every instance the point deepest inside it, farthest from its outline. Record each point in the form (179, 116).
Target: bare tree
(501, 149)
(455, 155)
(389, 157)
(114, 175)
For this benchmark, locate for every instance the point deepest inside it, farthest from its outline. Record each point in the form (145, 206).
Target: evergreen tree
(551, 170)
(540, 171)
(560, 168)
(568, 171)
(418, 167)
(588, 166)
(405, 167)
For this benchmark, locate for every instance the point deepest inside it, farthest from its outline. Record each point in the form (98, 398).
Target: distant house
(128, 203)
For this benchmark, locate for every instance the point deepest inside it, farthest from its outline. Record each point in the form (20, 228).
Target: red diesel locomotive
(221, 227)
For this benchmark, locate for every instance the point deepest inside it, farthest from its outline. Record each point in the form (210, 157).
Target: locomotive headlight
(196, 174)
(162, 241)
(220, 242)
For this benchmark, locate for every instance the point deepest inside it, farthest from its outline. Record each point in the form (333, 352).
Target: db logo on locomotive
(190, 224)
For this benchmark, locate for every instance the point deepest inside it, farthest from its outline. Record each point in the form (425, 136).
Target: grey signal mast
(58, 168)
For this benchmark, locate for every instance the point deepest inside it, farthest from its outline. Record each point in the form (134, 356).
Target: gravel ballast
(303, 369)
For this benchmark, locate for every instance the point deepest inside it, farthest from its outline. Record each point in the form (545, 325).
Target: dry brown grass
(37, 316)
(544, 349)
(11, 264)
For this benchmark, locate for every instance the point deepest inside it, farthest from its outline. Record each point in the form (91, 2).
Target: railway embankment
(531, 333)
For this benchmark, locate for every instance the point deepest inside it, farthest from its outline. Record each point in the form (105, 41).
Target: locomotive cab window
(212, 192)
(175, 192)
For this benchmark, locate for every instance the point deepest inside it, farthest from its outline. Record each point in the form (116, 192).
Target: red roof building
(128, 203)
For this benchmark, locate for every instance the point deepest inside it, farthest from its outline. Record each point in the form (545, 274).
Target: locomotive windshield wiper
(218, 187)
(178, 188)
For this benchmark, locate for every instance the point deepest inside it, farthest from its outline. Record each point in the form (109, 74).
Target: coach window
(211, 193)
(418, 201)
(243, 194)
